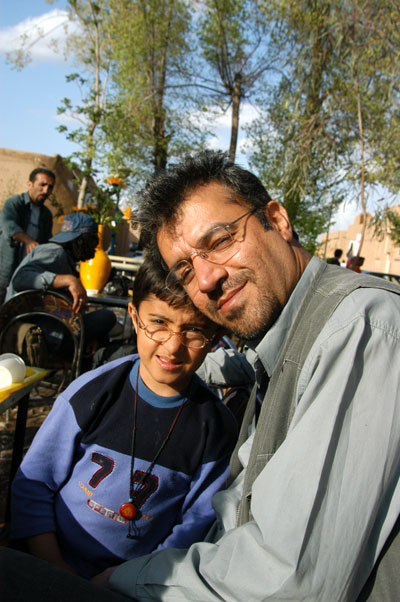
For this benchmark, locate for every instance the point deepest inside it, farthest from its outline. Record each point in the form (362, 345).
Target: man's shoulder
(45, 252)
(16, 200)
(48, 247)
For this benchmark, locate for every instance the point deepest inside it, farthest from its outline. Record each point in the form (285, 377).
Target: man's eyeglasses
(160, 333)
(221, 247)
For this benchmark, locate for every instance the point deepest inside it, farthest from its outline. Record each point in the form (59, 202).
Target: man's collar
(27, 198)
(270, 347)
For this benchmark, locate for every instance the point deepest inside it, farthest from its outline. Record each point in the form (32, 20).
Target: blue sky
(30, 97)
(28, 110)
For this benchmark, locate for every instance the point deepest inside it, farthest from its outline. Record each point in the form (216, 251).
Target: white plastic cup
(12, 369)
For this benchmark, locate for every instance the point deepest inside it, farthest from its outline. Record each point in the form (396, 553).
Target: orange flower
(113, 181)
(127, 213)
(60, 219)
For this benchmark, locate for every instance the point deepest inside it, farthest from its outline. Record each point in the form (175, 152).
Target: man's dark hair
(150, 280)
(39, 170)
(338, 253)
(160, 200)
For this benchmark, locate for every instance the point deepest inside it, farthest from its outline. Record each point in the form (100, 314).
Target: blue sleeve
(43, 471)
(40, 268)
(197, 513)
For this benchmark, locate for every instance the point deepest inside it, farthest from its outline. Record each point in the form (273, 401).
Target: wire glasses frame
(221, 249)
(161, 333)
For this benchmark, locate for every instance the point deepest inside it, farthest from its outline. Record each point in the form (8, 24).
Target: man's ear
(132, 313)
(278, 218)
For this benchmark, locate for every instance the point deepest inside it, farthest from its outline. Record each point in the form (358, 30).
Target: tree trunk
(236, 98)
(362, 153)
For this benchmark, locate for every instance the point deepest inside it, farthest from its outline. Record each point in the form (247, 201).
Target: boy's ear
(132, 313)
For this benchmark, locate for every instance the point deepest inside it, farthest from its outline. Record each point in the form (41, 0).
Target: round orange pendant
(128, 510)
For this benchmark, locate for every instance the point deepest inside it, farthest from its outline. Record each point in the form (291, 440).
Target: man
(25, 222)
(316, 493)
(52, 266)
(335, 260)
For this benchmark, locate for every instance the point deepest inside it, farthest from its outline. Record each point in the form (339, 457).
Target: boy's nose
(173, 344)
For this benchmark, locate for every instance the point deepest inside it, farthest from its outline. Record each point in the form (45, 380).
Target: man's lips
(228, 298)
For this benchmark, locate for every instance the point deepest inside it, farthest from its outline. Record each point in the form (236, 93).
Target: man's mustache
(232, 282)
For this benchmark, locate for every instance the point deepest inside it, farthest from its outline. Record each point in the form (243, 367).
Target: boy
(131, 454)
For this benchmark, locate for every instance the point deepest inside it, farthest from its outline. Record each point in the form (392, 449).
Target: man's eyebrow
(202, 241)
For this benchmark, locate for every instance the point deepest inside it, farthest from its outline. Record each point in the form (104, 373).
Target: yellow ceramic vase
(95, 272)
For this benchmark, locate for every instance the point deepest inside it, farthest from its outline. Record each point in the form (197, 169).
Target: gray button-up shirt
(328, 499)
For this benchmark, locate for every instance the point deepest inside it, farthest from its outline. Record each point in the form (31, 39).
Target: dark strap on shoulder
(328, 288)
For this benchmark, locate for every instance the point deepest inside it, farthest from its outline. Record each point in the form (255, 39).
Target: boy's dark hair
(160, 200)
(338, 253)
(150, 280)
(39, 170)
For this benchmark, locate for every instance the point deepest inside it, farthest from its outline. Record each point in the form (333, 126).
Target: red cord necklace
(130, 510)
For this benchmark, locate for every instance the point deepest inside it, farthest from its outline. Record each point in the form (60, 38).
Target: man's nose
(208, 274)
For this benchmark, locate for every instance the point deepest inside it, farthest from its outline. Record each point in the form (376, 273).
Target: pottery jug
(95, 272)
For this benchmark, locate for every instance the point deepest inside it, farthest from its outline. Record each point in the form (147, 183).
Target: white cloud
(67, 119)
(43, 38)
(222, 130)
(345, 216)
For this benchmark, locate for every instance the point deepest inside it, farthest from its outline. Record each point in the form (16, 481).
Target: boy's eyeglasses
(221, 247)
(160, 333)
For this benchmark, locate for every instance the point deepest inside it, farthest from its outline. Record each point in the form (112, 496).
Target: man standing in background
(25, 222)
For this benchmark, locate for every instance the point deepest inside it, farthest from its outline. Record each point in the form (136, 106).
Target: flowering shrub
(104, 206)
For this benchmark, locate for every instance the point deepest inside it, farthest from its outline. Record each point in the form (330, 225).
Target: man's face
(40, 189)
(248, 292)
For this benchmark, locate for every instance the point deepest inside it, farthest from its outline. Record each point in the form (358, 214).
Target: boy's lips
(168, 363)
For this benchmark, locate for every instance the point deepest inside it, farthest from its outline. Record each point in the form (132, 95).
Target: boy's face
(167, 368)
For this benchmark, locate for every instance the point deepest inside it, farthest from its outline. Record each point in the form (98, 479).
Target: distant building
(380, 255)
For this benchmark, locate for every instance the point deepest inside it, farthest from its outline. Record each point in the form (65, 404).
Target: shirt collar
(27, 198)
(268, 350)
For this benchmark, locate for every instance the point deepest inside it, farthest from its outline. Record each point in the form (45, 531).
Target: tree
(234, 41)
(367, 94)
(339, 88)
(92, 51)
(294, 144)
(151, 47)
(387, 220)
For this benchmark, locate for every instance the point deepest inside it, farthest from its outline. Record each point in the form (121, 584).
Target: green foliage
(234, 38)
(387, 220)
(150, 121)
(328, 120)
